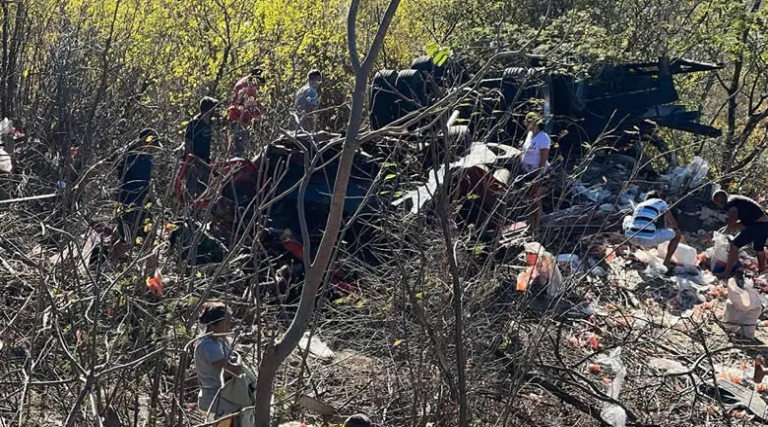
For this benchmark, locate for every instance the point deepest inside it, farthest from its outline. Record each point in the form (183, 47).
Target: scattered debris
(666, 366)
(316, 347)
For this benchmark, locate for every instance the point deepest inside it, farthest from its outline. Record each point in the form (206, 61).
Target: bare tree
(276, 353)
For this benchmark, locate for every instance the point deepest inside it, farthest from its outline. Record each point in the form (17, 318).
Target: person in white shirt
(535, 155)
(537, 144)
(651, 224)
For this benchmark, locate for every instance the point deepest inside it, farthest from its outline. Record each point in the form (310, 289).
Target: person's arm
(214, 353)
(228, 368)
(733, 220)
(544, 158)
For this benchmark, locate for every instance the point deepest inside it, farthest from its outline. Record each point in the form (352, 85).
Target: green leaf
(432, 47)
(390, 176)
(440, 57)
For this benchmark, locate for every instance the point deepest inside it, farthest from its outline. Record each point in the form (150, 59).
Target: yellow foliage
(183, 47)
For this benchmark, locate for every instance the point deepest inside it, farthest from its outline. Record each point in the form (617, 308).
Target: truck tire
(426, 65)
(383, 97)
(412, 89)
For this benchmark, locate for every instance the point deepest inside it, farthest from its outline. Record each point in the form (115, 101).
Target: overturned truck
(620, 105)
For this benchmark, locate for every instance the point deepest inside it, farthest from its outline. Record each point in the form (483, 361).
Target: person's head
(257, 75)
(358, 420)
(653, 194)
(533, 121)
(215, 316)
(208, 106)
(720, 198)
(148, 138)
(315, 77)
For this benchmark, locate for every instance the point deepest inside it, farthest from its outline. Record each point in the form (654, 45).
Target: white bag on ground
(719, 251)
(547, 269)
(611, 413)
(743, 309)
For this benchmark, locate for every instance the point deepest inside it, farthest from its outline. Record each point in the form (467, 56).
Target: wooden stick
(26, 199)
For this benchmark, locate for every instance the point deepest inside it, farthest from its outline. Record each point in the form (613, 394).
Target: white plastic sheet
(689, 177)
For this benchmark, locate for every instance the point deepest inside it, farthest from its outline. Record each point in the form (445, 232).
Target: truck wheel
(411, 92)
(383, 97)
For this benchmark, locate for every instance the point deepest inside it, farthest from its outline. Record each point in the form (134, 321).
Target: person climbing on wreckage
(535, 161)
(748, 215)
(651, 224)
(243, 112)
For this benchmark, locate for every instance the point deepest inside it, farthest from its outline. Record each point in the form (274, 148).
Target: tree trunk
(316, 269)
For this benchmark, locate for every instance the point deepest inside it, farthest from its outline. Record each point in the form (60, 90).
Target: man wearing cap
(243, 111)
(534, 161)
(307, 99)
(748, 215)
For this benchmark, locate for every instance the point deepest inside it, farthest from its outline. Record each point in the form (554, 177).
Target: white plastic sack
(655, 267)
(719, 253)
(697, 170)
(684, 254)
(6, 126)
(692, 176)
(743, 308)
(611, 413)
(667, 366)
(547, 269)
(317, 348)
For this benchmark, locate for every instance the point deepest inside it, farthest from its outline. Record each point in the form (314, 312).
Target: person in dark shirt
(747, 214)
(198, 136)
(134, 169)
(197, 142)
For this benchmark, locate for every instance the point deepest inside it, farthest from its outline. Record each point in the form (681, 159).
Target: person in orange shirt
(243, 111)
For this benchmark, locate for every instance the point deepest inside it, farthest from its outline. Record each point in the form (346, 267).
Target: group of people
(135, 165)
(243, 112)
(652, 223)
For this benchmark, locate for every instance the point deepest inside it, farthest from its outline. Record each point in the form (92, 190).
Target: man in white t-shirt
(537, 144)
(535, 155)
(651, 224)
